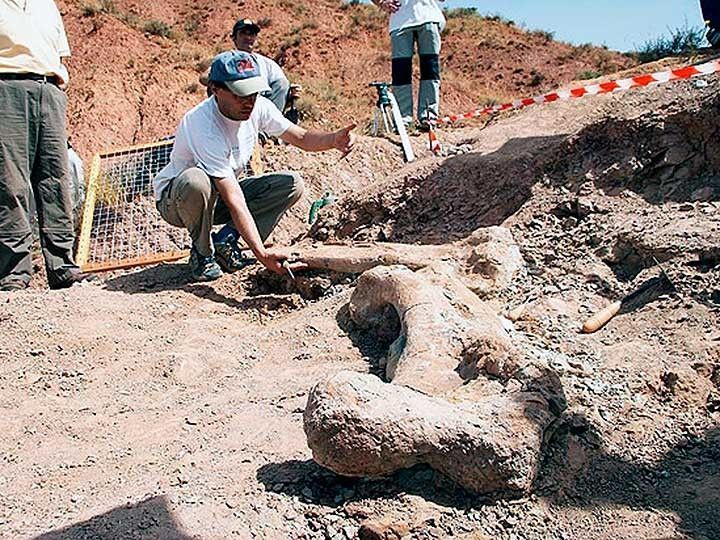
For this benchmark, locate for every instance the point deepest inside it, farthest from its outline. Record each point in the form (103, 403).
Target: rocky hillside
(135, 65)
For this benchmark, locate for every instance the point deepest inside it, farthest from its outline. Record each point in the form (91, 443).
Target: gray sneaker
(203, 268)
(230, 257)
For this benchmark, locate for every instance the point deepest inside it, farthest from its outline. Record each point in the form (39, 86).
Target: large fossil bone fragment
(486, 261)
(444, 339)
(357, 425)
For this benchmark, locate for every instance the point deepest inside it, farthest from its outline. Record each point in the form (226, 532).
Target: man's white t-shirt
(219, 146)
(415, 13)
(32, 38)
(269, 69)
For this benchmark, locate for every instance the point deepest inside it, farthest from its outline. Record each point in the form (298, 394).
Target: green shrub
(499, 18)
(157, 28)
(367, 17)
(461, 13)
(90, 9)
(130, 19)
(203, 65)
(682, 41)
(544, 34)
(537, 78)
(589, 74)
(192, 24)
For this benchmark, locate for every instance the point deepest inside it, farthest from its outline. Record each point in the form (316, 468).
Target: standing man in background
(415, 21)
(244, 35)
(711, 16)
(33, 153)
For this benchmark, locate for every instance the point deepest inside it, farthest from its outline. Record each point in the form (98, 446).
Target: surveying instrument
(291, 111)
(388, 120)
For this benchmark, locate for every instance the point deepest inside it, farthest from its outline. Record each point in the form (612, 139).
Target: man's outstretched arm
(317, 141)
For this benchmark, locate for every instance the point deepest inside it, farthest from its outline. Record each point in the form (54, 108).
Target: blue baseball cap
(239, 71)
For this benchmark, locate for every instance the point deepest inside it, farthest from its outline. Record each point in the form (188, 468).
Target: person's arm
(389, 6)
(63, 50)
(317, 141)
(232, 195)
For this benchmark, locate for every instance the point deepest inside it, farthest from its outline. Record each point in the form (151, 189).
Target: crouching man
(201, 186)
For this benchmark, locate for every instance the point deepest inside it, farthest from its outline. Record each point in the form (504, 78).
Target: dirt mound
(153, 407)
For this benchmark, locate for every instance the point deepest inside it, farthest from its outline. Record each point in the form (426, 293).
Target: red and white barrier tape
(434, 144)
(661, 77)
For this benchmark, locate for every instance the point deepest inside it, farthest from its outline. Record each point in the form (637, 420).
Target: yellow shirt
(32, 38)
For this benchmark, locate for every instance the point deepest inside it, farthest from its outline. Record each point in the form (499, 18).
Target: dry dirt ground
(149, 407)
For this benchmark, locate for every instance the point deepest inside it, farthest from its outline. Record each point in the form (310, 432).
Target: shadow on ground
(318, 485)
(667, 155)
(150, 519)
(171, 277)
(660, 157)
(685, 482)
(470, 191)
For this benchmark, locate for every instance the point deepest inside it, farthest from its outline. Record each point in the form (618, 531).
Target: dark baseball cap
(239, 71)
(245, 24)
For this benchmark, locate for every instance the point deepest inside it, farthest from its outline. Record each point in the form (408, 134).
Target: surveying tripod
(388, 120)
(291, 111)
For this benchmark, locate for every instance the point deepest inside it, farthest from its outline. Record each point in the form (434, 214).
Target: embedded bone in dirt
(357, 425)
(486, 261)
(446, 338)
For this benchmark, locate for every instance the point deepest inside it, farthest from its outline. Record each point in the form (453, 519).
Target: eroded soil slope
(135, 65)
(151, 407)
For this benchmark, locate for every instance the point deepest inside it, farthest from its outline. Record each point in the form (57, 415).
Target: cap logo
(244, 65)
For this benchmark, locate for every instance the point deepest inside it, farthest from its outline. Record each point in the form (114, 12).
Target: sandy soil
(150, 407)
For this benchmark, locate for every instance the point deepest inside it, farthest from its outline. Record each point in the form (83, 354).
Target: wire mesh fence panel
(121, 226)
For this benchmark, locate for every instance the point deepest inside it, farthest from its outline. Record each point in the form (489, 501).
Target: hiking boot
(12, 286)
(68, 277)
(229, 256)
(203, 268)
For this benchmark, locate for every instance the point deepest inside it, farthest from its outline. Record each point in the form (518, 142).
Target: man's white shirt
(269, 69)
(32, 38)
(415, 13)
(216, 144)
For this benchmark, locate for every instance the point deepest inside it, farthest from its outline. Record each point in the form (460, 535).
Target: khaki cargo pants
(191, 201)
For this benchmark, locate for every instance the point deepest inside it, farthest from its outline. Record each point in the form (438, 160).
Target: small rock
(322, 234)
(596, 387)
(569, 223)
(585, 207)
